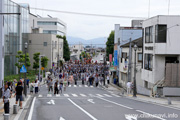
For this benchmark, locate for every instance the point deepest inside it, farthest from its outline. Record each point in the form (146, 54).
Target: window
(139, 57)
(124, 55)
(45, 43)
(149, 34)
(148, 61)
(46, 23)
(161, 31)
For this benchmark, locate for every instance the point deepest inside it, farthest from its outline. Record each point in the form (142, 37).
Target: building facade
(13, 32)
(161, 38)
(45, 44)
(76, 51)
(49, 25)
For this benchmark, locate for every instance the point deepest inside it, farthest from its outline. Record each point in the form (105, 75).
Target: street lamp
(25, 81)
(134, 90)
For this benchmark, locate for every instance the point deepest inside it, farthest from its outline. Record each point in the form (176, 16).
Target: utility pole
(130, 56)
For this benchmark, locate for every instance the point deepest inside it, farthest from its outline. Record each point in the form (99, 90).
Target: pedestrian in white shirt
(128, 87)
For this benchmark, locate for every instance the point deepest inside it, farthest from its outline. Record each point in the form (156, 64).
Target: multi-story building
(76, 51)
(124, 35)
(13, 35)
(48, 24)
(161, 53)
(46, 44)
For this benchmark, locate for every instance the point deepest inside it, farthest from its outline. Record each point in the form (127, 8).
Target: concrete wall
(37, 45)
(168, 91)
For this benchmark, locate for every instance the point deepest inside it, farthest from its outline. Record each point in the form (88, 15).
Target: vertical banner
(115, 58)
(110, 57)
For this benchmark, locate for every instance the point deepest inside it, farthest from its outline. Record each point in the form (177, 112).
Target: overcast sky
(88, 27)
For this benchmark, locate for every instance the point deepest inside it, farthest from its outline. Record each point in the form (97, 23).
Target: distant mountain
(97, 42)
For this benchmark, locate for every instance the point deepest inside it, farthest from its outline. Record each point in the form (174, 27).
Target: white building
(76, 51)
(48, 24)
(161, 46)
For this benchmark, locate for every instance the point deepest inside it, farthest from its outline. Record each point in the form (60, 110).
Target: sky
(89, 27)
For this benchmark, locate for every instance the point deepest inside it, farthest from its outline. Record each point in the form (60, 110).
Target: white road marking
(66, 95)
(40, 96)
(91, 86)
(91, 101)
(61, 118)
(107, 95)
(130, 117)
(49, 95)
(75, 85)
(115, 103)
(115, 95)
(31, 110)
(74, 95)
(83, 95)
(69, 86)
(51, 102)
(92, 117)
(86, 86)
(99, 95)
(80, 85)
(57, 95)
(154, 116)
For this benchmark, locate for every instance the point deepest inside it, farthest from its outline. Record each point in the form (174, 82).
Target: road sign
(23, 69)
(51, 102)
(42, 68)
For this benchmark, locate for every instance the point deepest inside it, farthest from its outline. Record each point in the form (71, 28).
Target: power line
(89, 14)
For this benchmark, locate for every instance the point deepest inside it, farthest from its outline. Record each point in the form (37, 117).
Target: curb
(21, 110)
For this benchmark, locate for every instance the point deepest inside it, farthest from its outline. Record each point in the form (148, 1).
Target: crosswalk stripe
(69, 86)
(66, 95)
(86, 86)
(75, 85)
(115, 95)
(83, 95)
(107, 95)
(91, 86)
(80, 85)
(49, 95)
(57, 95)
(40, 96)
(99, 95)
(74, 95)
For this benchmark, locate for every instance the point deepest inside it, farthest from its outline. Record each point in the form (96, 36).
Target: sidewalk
(160, 101)
(12, 102)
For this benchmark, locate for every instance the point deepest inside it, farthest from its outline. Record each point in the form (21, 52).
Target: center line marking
(115, 103)
(82, 109)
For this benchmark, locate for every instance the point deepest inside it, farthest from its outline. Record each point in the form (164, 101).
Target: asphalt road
(91, 103)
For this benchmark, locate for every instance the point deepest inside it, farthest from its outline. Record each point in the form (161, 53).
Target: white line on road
(107, 95)
(86, 86)
(57, 95)
(49, 95)
(91, 101)
(115, 95)
(61, 118)
(31, 110)
(115, 103)
(99, 95)
(69, 86)
(66, 95)
(80, 85)
(75, 85)
(74, 95)
(82, 109)
(83, 95)
(150, 115)
(40, 96)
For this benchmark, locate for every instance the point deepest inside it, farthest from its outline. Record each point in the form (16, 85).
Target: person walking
(56, 91)
(50, 86)
(108, 79)
(36, 86)
(6, 97)
(128, 88)
(61, 86)
(31, 87)
(18, 94)
(65, 83)
(96, 80)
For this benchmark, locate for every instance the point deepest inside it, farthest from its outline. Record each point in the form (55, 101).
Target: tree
(21, 60)
(66, 51)
(110, 44)
(44, 61)
(36, 61)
